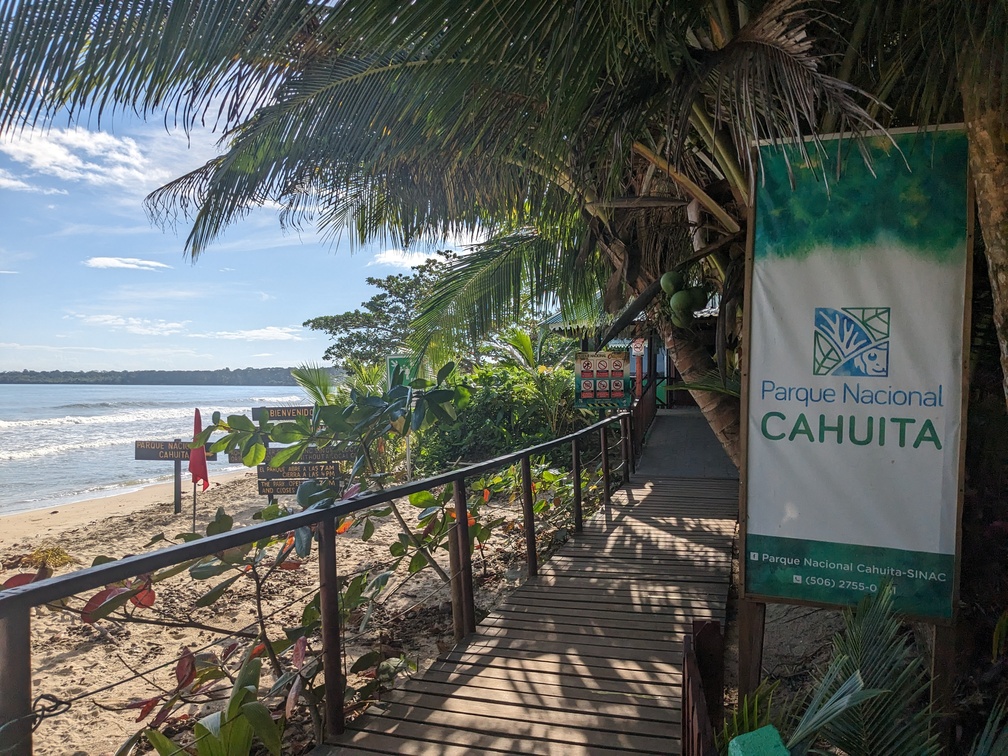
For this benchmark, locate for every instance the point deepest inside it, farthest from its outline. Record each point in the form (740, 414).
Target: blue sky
(87, 283)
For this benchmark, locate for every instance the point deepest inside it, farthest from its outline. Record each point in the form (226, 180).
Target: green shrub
(511, 408)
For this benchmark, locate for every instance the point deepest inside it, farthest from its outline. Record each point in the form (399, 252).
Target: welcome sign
(855, 375)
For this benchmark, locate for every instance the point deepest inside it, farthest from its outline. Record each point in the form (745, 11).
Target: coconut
(682, 302)
(699, 295)
(672, 282)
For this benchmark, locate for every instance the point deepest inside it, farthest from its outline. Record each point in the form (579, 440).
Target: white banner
(855, 379)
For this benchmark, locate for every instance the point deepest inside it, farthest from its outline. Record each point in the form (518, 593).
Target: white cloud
(136, 326)
(8, 272)
(263, 354)
(399, 258)
(133, 263)
(91, 157)
(14, 184)
(270, 333)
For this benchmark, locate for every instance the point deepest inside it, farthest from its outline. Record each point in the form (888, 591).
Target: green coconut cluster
(683, 300)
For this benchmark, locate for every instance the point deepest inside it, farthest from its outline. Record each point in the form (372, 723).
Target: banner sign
(602, 380)
(170, 450)
(855, 378)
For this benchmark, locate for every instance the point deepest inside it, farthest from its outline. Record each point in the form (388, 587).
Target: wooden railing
(18, 718)
(702, 688)
(643, 414)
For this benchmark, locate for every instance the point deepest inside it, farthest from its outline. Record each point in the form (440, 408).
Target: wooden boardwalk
(585, 658)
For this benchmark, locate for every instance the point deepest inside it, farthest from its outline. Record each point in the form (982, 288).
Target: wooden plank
(586, 658)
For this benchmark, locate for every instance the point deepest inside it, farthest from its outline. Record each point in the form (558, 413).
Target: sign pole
(194, 506)
(178, 483)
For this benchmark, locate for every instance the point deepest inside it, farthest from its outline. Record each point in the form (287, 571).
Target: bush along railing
(450, 520)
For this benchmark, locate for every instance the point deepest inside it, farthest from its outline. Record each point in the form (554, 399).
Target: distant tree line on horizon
(272, 376)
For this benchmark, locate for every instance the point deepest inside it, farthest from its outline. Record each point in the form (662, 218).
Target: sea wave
(156, 414)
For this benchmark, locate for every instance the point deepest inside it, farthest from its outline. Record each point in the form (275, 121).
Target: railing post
(576, 475)
(15, 679)
(625, 446)
(465, 555)
(604, 441)
(529, 514)
(455, 568)
(332, 653)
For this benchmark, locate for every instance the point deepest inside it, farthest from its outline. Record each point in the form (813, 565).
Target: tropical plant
(509, 408)
(230, 732)
(871, 699)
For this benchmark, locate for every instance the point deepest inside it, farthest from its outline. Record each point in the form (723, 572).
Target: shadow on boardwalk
(586, 658)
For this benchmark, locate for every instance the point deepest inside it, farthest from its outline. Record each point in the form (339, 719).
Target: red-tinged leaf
(292, 697)
(381, 445)
(229, 649)
(344, 526)
(22, 578)
(300, 646)
(164, 713)
(145, 597)
(450, 512)
(289, 543)
(472, 520)
(486, 495)
(352, 491)
(430, 527)
(93, 609)
(534, 486)
(185, 669)
(258, 651)
(290, 564)
(44, 573)
(146, 706)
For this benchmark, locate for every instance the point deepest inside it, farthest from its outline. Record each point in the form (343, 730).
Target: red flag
(197, 457)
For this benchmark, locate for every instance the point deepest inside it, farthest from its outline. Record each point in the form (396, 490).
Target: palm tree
(597, 144)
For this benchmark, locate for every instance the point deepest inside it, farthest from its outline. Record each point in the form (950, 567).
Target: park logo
(852, 341)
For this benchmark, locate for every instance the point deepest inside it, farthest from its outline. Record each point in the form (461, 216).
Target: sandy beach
(72, 660)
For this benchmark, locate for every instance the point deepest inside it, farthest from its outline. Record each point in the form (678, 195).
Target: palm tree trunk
(988, 155)
(695, 363)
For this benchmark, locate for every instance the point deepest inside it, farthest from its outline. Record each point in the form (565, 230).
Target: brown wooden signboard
(278, 487)
(300, 471)
(164, 450)
(311, 454)
(283, 413)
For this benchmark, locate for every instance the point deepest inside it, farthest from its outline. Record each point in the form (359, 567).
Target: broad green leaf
(221, 523)
(419, 413)
(290, 454)
(102, 559)
(263, 726)
(422, 499)
(444, 372)
(289, 433)
(209, 569)
(368, 660)
(253, 454)
(369, 529)
(162, 744)
(303, 541)
(217, 591)
(377, 583)
(417, 563)
(155, 539)
(241, 422)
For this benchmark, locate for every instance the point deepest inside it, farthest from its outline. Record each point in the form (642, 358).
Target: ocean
(66, 443)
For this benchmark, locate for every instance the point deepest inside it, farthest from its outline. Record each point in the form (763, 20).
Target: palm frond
(316, 382)
(898, 721)
(187, 56)
(994, 738)
(489, 288)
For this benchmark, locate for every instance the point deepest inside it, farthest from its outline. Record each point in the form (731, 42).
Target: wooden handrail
(16, 715)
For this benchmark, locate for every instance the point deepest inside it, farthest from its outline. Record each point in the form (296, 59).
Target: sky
(88, 283)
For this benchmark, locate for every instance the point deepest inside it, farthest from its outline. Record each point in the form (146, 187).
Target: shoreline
(50, 521)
